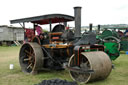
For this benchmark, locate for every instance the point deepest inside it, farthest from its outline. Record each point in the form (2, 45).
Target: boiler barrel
(97, 61)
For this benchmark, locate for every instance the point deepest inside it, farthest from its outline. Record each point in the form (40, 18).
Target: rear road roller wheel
(31, 58)
(97, 61)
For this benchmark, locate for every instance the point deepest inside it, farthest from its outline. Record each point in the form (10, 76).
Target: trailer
(10, 34)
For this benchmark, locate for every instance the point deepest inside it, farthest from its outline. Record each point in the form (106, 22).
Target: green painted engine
(111, 41)
(112, 50)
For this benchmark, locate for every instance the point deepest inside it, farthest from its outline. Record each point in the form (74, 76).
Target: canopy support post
(50, 23)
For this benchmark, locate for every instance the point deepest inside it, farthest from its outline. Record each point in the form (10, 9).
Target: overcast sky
(93, 11)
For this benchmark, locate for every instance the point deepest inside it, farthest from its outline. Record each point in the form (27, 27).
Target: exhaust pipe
(90, 27)
(77, 14)
(98, 29)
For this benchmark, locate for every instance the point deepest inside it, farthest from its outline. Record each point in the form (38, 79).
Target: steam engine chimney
(77, 14)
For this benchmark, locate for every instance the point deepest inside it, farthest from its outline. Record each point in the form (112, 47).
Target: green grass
(9, 55)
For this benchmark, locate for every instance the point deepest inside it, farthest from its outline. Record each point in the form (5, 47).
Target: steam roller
(62, 48)
(92, 66)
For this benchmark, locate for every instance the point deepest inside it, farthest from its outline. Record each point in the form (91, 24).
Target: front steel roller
(31, 57)
(99, 62)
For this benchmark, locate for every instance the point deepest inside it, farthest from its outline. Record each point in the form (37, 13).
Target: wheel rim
(30, 60)
(36, 40)
(80, 77)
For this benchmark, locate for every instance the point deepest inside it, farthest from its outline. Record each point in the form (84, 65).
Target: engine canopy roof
(45, 19)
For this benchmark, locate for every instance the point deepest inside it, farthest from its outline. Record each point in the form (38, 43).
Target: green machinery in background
(111, 41)
(124, 43)
(114, 42)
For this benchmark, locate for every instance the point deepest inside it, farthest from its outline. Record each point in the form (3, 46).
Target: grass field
(9, 55)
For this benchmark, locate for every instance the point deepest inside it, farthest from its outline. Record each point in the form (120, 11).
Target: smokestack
(98, 28)
(90, 27)
(77, 14)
